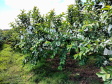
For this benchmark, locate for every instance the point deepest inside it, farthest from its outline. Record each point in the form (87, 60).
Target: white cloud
(44, 6)
(6, 18)
(20, 4)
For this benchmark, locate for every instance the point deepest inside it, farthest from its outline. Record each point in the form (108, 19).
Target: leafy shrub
(106, 74)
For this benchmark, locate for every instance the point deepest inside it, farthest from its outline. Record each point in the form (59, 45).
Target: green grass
(11, 70)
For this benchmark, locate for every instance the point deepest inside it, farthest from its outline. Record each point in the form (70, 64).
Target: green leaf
(80, 30)
(104, 15)
(101, 75)
(107, 76)
(77, 49)
(60, 67)
(46, 42)
(109, 68)
(69, 47)
(80, 55)
(89, 46)
(58, 43)
(110, 59)
(87, 25)
(103, 70)
(108, 6)
(75, 56)
(105, 9)
(96, 42)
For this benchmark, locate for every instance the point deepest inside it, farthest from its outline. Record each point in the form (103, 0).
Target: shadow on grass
(44, 74)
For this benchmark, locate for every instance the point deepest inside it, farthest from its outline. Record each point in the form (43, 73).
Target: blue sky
(2, 5)
(9, 9)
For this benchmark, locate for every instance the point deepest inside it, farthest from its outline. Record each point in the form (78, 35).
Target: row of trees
(84, 31)
(10, 37)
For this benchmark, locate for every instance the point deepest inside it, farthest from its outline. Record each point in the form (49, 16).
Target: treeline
(9, 36)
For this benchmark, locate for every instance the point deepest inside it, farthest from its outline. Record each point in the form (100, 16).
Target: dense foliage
(84, 31)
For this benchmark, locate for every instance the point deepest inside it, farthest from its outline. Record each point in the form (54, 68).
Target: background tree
(1, 38)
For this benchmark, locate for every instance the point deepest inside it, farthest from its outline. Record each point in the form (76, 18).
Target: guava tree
(84, 31)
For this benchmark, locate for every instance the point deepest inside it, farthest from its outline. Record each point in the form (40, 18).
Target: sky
(9, 9)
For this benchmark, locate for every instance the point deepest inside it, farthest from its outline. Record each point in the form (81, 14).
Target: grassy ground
(12, 71)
